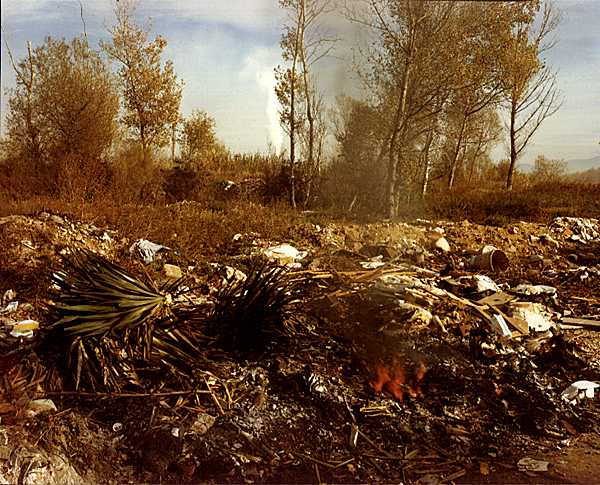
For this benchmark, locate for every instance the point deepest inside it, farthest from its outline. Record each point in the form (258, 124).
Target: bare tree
(303, 44)
(532, 94)
(409, 76)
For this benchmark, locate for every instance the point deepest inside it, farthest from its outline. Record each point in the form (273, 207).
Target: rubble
(390, 368)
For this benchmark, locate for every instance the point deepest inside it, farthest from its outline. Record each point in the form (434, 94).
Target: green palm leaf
(98, 297)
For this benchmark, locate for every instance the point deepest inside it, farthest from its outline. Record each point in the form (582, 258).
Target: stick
(215, 399)
(373, 444)
(124, 394)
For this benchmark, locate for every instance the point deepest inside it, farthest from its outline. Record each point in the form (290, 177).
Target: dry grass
(537, 203)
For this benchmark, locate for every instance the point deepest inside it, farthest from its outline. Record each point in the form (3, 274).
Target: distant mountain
(582, 165)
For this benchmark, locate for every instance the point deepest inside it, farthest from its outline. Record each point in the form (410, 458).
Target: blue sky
(225, 51)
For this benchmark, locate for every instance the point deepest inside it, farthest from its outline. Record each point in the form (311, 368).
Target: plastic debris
(579, 390)
(372, 264)
(490, 258)
(532, 313)
(11, 307)
(533, 290)
(579, 228)
(147, 250)
(116, 427)
(8, 296)
(38, 406)
(202, 424)
(24, 329)
(481, 283)
(532, 465)
(284, 254)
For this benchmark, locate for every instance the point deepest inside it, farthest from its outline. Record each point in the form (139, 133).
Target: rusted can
(490, 258)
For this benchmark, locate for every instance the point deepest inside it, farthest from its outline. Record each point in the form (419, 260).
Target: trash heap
(430, 352)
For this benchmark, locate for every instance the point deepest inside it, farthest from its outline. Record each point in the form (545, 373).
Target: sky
(225, 51)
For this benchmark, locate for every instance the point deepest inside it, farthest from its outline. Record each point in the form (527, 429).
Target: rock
(442, 244)
(172, 272)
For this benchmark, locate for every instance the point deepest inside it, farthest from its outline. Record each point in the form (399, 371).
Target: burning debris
(250, 371)
(399, 375)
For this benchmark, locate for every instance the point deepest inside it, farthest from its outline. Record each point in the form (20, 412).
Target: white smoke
(260, 66)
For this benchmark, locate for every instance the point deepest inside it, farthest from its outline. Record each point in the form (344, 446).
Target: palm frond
(250, 313)
(98, 297)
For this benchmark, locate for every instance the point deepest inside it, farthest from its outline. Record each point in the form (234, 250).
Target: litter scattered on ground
(285, 254)
(399, 362)
(24, 329)
(147, 250)
(490, 258)
(533, 290)
(532, 465)
(579, 390)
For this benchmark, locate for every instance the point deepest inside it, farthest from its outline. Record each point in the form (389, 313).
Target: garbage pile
(423, 353)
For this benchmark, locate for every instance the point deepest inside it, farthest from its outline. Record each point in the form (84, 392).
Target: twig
(317, 473)
(374, 445)
(315, 460)
(376, 465)
(350, 460)
(125, 394)
(215, 398)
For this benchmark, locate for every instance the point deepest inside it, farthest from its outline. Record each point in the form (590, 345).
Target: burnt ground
(392, 374)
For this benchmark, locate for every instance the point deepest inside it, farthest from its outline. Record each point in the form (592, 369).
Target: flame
(397, 378)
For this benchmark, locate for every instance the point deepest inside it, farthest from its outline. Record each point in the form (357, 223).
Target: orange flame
(394, 378)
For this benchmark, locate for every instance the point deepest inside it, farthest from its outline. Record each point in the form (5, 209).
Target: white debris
(582, 229)
(172, 272)
(579, 390)
(284, 254)
(533, 314)
(535, 290)
(11, 307)
(483, 283)
(202, 424)
(24, 329)
(442, 244)
(532, 465)
(233, 274)
(372, 264)
(9, 295)
(145, 249)
(38, 406)
(500, 326)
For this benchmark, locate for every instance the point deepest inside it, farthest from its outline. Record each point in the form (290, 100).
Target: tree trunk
(292, 141)
(427, 160)
(173, 139)
(513, 147)
(393, 158)
(454, 160)
(144, 144)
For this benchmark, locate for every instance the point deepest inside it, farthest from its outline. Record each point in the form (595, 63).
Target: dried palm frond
(101, 363)
(98, 297)
(249, 313)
